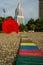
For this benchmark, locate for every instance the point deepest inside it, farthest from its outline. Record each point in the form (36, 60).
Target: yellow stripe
(25, 38)
(23, 35)
(27, 43)
(30, 44)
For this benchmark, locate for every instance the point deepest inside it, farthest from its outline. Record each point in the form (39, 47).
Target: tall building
(41, 8)
(19, 14)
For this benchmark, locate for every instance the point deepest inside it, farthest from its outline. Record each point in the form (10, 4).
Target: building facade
(41, 8)
(19, 14)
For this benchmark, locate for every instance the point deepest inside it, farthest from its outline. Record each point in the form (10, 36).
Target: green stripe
(30, 59)
(22, 63)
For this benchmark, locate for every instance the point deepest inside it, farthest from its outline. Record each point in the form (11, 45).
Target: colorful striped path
(29, 53)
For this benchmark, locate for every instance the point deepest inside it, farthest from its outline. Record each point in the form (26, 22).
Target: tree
(22, 27)
(36, 25)
(9, 17)
(31, 24)
(32, 27)
(39, 24)
(31, 21)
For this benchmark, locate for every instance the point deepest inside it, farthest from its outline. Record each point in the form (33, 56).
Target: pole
(4, 12)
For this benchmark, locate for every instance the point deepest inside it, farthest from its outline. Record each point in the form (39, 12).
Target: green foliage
(22, 27)
(30, 25)
(1, 20)
(9, 17)
(35, 25)
(39, 25)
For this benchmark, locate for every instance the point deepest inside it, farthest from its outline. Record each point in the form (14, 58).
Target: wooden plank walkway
(29, 53)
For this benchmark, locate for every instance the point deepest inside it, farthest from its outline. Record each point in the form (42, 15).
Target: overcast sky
(30, 8)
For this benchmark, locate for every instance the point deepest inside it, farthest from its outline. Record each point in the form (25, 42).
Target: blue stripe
(29, 47)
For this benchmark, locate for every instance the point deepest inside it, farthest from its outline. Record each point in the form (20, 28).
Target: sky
(30, 8)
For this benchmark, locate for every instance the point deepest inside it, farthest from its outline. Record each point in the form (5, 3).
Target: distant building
(19, 14)
(41, 8)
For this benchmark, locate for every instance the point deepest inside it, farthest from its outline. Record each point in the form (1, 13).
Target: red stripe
(30, 54)
(42, 52)
(29, 51)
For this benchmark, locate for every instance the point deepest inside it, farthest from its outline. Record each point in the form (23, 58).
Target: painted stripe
(27, 42)
(30, 51)
(23, 35)
(30, 44)
(25, 38)
(30, 54)
(28, 47)
(28, 63)
(30, 59)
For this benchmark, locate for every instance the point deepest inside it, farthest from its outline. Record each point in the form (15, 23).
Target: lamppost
(4, 12)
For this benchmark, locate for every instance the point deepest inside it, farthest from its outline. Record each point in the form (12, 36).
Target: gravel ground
(9, 44)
